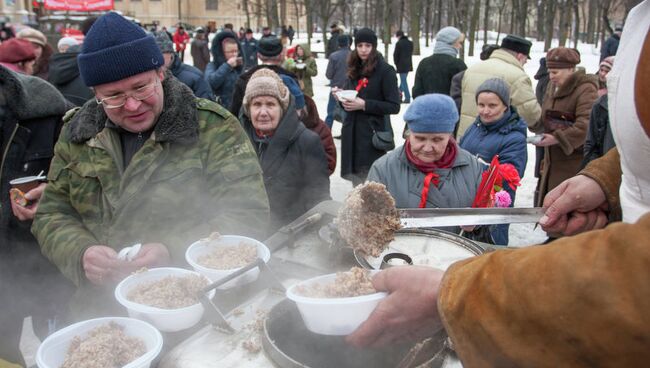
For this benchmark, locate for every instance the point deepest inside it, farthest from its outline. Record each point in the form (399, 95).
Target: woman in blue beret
(498, 130)
(430, 170)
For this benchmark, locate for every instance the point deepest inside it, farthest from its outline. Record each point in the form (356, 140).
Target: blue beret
(432, 113)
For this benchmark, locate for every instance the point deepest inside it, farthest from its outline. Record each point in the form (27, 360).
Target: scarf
(445, 49)
(445, 162)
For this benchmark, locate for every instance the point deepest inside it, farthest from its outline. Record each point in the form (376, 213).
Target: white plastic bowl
(203, 247)
(169, 320)
(347, 94)
(52, 351)
(333, 316)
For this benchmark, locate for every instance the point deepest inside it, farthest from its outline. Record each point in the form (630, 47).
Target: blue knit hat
(432, 113)
(115, 49)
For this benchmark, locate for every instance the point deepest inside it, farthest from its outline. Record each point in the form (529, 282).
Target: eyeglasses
(139, 94)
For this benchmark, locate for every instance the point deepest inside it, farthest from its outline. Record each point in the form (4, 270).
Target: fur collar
(178, 121)
(577, 78)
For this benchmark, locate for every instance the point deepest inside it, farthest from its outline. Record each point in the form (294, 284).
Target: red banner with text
(79, 5)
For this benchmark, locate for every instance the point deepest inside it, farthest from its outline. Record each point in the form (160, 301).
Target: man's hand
(232, 62)
(353, 105)
(408, 313)
(27, 213)
(547, 140)
(100, 264)
(576, 205)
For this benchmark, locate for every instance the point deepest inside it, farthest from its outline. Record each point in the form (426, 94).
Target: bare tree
(549, 24)
(427, 23)
(414, 32)
(541, 6)
(325, 9)
(386, 32)
(501, 5)
(565, 21)
(486, 21)
(522, 17)
(247, 13)
(473, 25)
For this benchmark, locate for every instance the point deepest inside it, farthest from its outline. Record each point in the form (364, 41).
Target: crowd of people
(140, 147)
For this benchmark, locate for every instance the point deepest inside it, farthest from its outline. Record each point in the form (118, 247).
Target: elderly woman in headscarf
(498, 130)
(292, 157)
(430, 170)
(565, 118)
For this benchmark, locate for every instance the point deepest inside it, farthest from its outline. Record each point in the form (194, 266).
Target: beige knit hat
(265, 82)
(33, 35)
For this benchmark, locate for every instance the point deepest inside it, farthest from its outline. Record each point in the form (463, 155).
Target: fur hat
(269, 46)
(448, 35)
(432, 113)
(517, 44)
(16, 50)
(562, 58)
(497, 86)
(607, 62)
(366, 35)
(163, 41)
(265, 82)
(115, 49)
(32, 35)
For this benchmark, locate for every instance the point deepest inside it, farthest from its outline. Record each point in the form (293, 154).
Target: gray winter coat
(457, 186)
(337, 68)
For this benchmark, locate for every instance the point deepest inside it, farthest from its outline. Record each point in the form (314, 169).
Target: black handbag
(383, 140)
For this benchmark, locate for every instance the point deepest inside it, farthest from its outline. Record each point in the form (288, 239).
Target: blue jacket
(506, 138)
(192, 77)
(219, 74)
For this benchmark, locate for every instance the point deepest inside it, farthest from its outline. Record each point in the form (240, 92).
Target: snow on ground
(520, 234)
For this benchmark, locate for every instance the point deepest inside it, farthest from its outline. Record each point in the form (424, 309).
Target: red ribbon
(363, 83)
(431, 177)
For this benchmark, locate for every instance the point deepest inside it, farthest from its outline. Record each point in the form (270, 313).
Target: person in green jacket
(303, 65)
(146, 162)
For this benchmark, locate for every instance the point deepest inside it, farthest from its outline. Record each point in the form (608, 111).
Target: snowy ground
(520, 235)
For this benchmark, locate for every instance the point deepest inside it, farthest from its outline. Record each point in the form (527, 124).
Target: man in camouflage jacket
(146, 163)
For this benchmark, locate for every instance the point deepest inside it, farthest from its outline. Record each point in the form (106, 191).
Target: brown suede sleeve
(580, 301)
(606, 171)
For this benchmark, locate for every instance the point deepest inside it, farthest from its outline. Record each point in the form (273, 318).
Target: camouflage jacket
(196, 174)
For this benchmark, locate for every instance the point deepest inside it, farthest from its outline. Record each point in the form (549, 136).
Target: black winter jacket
(599, 136)
(64, 75)
(382, 100)
(403, 55)
(294, 166)
(434, 74)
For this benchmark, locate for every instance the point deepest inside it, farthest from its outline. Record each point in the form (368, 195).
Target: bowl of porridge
(166, 297)
(336, 304)
(218, 256)
(101, 342)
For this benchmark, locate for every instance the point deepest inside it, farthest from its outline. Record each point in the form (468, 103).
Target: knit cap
(366, 35)
(33, 35)
(265, 82)
(448, 35)
(163, 41)
(15, 50)
(497, 86)
(562, 58)
(432, 113)
(66, 41)
(607, 62)
(269, 46)
(115, 49)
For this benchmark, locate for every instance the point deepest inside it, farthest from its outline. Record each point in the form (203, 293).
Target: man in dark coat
(189, 75)
(337, 73)
(249, 46)
(64, 75)
(402, 56)
(30, 120)
(200, 50)
(333, 42)
(611, 45)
